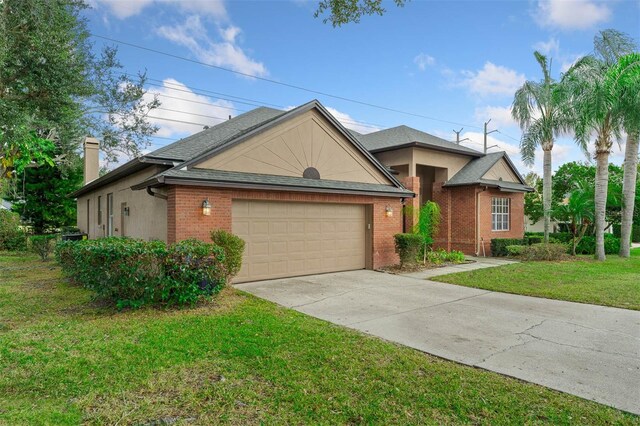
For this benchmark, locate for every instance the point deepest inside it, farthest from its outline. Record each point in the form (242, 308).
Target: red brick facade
(412, 183)
(185, 218)
(464, 207)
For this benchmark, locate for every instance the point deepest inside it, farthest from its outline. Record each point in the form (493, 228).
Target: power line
(292, 86)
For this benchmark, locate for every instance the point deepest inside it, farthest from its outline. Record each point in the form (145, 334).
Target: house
(307, 195)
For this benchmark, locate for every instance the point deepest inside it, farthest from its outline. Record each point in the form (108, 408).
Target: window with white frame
(500, 214)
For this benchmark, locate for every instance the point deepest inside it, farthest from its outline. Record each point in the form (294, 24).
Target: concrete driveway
(586, 350)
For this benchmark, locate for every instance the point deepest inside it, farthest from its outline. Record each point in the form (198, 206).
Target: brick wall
(412, 183)
(185, 218)
(516, 216)
(459, 217)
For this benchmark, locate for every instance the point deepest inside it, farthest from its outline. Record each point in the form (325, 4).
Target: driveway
(586, 350)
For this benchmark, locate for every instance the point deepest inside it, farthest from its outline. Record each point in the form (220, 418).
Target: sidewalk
(476, 263)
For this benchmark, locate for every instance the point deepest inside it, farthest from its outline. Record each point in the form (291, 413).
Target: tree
(427, 225)
(565, 178)
(40, 194)
(578, 210)
(533, 208)
(624, 81)
(53, 88)
(599, 111)
(53, 92)
(537, 107)
(344, 11)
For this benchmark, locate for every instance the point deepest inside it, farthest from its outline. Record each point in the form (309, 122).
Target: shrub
(134, 273)
(635, 233)
(12, 237)
(408, 246)
(438, 257)
(550, 251)
(534, 239)
(192, 268)
(42, 245)
(516, 250)
(588, 245)
(455, 256)
(499, 245)
(233, 247)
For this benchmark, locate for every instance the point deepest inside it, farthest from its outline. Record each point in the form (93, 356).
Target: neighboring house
(307, 195)
(5, 205)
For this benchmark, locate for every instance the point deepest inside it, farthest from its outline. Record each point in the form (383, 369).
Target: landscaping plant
(578, 210)
(133, 273)
(427, 226)
(12, 237)
(408, 246)
(233, 247)
(42, 245)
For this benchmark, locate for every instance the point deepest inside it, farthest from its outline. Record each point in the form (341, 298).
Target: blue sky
(453, 61)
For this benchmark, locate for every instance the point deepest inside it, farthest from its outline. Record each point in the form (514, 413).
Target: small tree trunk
(628, 192)
(602, 185)
(546, 193)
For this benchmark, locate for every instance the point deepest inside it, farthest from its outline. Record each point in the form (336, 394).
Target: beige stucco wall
(427, 157)
(287, 149)
(501, 170)
(147, 215)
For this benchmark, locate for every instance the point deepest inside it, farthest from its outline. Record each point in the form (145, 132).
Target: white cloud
(571, 14)
(549, 47)
(423, 61)
(493, 80)
(348, 122)
(189, 108)
(123, 9)
(500, 116)
(222, 52)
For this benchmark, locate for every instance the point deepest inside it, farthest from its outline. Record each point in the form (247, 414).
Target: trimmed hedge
(133, 273)
(551, 251)
(587, 245)
(499, 245)
(635, 232)
(408, 246)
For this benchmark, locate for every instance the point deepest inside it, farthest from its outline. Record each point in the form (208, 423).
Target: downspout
(404, 224)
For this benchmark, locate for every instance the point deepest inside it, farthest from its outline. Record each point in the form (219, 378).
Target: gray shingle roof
(403, 135)
(241, 178)
(189, 147)
(474, 170)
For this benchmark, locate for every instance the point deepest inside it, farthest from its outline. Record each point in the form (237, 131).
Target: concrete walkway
(586, 350)
(476, 263)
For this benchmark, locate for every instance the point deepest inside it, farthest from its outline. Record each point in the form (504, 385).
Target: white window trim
(497, 217)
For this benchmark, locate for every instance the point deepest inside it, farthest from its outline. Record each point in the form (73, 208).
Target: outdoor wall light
(388, 211)
(206, 208)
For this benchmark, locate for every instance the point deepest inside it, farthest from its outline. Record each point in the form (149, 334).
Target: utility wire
(292, 86)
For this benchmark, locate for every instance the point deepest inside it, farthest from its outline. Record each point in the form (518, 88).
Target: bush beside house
(134, 273)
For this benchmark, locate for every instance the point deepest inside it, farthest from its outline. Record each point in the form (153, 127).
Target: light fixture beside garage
(206, 207)
(388, 211)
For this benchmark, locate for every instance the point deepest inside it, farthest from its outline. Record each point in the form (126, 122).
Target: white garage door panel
(288, 239)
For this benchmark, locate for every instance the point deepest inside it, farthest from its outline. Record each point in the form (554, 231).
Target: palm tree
(577, 210)
(624, 79)
(598, 110)
(537, 109)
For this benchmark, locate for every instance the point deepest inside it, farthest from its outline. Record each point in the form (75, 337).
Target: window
(110, 215)
(500, 214)
(99, 209)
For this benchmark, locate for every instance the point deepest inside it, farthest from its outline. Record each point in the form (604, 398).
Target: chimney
(91, 159)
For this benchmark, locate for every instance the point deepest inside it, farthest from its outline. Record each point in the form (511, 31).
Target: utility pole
(486, 134)
(457, 132)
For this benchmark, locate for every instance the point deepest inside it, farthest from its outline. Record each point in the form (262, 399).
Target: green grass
(615, 282)
(66, 359)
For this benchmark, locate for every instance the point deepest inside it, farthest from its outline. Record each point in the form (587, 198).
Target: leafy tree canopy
(342, 12)
(54, 88)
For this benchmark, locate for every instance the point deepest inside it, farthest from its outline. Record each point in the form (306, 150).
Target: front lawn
(65, 359)
(615, 282)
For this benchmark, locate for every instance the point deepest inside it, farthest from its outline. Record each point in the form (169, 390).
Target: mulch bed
(396, 269)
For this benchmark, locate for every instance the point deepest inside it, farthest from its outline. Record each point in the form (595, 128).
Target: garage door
(289, 239)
